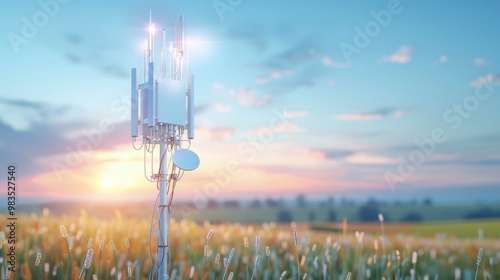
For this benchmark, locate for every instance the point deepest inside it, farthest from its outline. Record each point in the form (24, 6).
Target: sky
(324, 98)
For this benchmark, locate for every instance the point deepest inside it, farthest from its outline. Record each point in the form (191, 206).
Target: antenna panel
(134, 106)
(171, 102)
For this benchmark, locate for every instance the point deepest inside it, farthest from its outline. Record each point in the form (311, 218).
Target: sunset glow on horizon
(332, 99)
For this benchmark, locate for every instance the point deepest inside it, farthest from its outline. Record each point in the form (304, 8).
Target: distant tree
(312, 216)
(284, 216)
(412, 217)
(428, 201)
(484, 213)
(373, 202)
(271, 203)
(301, 200)
(368, 212)
(255, 203)
(232, 203)
(332, 216)
(397, 203)
(212, 204)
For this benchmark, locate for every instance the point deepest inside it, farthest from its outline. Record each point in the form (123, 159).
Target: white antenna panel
(171, 102)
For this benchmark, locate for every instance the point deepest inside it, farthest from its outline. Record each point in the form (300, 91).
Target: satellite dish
(186, 159)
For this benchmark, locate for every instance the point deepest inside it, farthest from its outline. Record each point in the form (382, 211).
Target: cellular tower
(162, 116)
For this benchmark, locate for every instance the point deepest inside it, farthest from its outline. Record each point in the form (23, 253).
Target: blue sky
(355, 85)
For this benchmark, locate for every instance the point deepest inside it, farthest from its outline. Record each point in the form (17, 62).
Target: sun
(107, 183)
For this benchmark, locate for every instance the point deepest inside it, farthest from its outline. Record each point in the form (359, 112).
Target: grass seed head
(89, 244)
(414, 257)
(2, 237)
(217, 258)
(245, 242)
(257, 241)
(38, 259)
(112, 245)
(88, 259)
(230, 277)
(257, 260)
(63, 231)
(231, 255)
(71, 242)
(479, 256)
(381, 217)
(295, 238)
(205, 251)
(101, 244)
(209, 235)
(127, 243)
(268, 251)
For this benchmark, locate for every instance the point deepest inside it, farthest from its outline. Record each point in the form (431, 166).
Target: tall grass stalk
(38, 269)
(101, 246)
(268, 255)
(478, 262)
(65, 236)
(228, 262)
(296, 242)
(257, 262)
(129, 264)
(205, 251)
(245, 247)
(113, 248)
(87, 262)
(382, 232)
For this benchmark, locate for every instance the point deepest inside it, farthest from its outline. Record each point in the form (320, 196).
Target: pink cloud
(248, 97)
(223, 108)
(401, 56)
(490, 78)
(214, 133)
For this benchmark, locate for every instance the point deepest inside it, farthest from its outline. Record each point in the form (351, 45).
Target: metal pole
(164, 227)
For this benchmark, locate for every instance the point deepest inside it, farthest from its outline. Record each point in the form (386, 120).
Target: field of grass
(311, 255)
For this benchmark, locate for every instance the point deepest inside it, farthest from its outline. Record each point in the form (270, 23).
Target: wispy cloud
(402, 55)
(218, 86)
(441, 60)
(23, 114)
(249, 97)
(222, 108)
(479, 61)
(295, 114)
(328, 61)
(490, 78)
(373, 115)
(214, 133)
(333, 153)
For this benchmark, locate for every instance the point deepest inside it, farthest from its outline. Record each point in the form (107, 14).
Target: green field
(392, 213)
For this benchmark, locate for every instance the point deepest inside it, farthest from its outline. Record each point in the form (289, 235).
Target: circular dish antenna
(186, 159)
